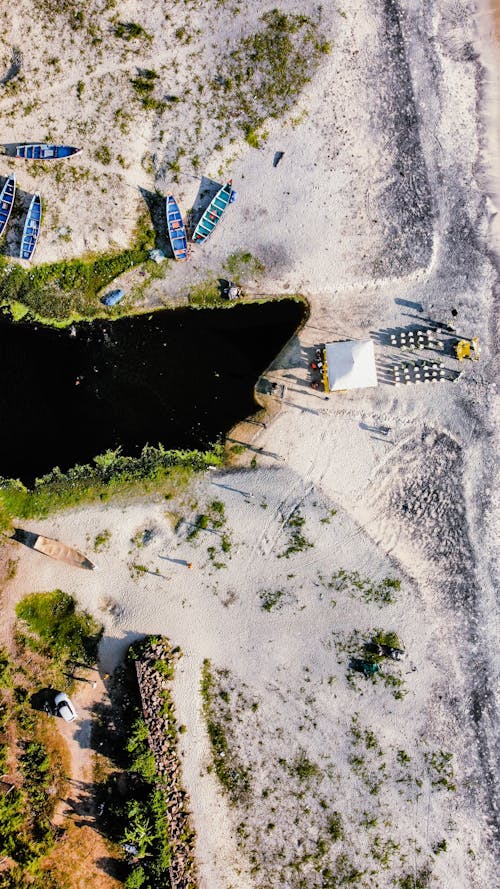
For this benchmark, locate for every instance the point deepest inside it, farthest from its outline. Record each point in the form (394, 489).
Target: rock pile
(155, 671)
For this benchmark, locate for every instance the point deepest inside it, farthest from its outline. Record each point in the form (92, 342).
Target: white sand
(415, 504)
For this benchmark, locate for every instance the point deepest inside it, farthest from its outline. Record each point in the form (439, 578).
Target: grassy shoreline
(60, 293)
(111, 474)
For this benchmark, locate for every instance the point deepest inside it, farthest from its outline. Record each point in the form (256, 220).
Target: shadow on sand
(156, 209)
(206, 192)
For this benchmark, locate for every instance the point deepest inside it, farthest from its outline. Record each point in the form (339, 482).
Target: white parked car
(64, 708)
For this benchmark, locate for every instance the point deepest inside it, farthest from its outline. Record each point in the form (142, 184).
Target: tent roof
(351, 365)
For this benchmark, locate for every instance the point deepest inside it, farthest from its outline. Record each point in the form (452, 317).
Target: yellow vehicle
(468, 349)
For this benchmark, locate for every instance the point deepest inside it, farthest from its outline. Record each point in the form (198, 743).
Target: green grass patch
(65, 632)
(440, 766)
(207, 295)
(62, 292)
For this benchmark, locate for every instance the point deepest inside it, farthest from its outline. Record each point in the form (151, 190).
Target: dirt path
(78, 803)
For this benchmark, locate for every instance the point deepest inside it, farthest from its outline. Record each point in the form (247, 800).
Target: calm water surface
(181, 378)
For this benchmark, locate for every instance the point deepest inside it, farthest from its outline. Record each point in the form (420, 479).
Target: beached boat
(6, 202)
(113, 297)
(31, 228)
(57, 550)
(39, 152)
(213, 213)
(176, 230)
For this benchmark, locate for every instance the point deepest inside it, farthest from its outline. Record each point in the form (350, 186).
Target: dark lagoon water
(181, 378)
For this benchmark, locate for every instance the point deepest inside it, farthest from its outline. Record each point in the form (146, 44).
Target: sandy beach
(384, 212)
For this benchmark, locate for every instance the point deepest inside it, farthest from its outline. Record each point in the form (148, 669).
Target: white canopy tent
(350, 365)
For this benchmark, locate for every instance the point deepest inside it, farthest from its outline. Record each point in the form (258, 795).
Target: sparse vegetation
(303, 768)
(144, 85)
(111, 474)
(298, 541)
(103, 155)
(231, 774)
(440, 765)
(101, 540)
(416, 880)
(335, 826)
(243, 266)
(351, 582)
(58, 627)
(265, 74)
(131, 31)
(270, 599)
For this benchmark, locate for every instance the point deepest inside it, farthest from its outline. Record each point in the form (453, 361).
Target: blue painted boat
(31, 228)
(41, 152)
(213, 213)
(176, 229)
(7, 201)
(112, 298)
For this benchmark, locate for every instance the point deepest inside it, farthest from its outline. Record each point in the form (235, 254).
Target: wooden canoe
(57, 550)
(31, 228)
(213, 214)
(176, 229)
(7, 196)
(42, 152)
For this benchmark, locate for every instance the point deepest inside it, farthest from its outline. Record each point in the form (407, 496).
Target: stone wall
(155, 671)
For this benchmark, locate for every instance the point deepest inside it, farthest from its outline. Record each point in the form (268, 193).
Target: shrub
(130, 31)
(12, 816)
(335, 826)
(136, 878)
(270, 599)
(303, 767)
(66, 631)
(103, 154)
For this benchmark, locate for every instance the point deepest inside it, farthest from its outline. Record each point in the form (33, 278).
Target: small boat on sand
(40, 152)
(6, 201)
(113, 297)
(57, 550)
(31, 228)
(176, 229)
(213, 213)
